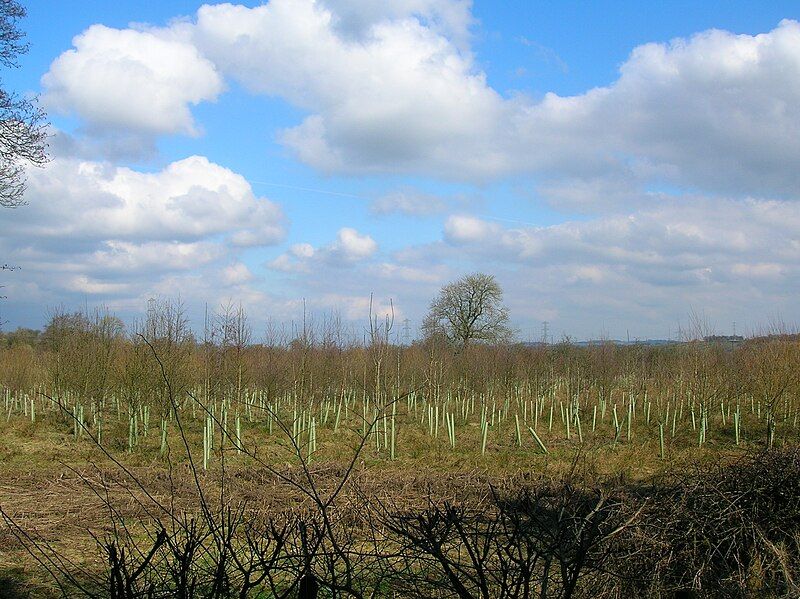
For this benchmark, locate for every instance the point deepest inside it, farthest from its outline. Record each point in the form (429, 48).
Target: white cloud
(349, 248)
(152, 257)
(411, 274)
(302, 250)
(187, 200)
(452, 18)
(608, 191)
(400, 94)
(89, 286)
(759, 270)
(140, 80)
(350, 245)
(297, 259)
(682, 233)
(394, 87)
(357, 307)
(236, 274)
(469, 229)
(285, 263)
(642, 269)
(107, 231)
(408, 202)
(713, 111)
(648, 267)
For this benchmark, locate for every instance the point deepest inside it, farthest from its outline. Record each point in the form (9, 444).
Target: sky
(618, 166)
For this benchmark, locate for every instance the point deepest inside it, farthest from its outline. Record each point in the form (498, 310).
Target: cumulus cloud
(133, 80)
(649, 266)
(451, 18)
(236, 274)
(645, 268)
(401, 90)
(189, 199)
(394, 87)
(154, 257)
(713, 111)
(689, 233)
(111, 232)
(348, 248)
(469, 229)
(302, 250)
(90, 286)
(350, 245)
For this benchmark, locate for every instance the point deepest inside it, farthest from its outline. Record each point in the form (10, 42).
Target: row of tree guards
(465, 422)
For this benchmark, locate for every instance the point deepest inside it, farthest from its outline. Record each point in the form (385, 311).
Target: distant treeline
(95, 354)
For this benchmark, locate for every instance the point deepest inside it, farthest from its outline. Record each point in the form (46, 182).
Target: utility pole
(407, 332)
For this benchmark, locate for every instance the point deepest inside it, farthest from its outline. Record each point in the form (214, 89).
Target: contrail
(311, 189)
(368, 199)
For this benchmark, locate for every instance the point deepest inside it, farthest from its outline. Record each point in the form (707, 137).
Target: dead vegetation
(340, 470)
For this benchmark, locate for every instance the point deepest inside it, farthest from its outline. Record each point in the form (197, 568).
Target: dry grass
(58, 489)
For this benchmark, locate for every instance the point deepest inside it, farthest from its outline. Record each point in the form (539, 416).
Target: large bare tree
(23, 126)
(468, 310)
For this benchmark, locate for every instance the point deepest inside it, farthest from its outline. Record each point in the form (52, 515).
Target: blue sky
(616, 166)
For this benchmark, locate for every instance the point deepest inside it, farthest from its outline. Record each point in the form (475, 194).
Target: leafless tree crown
(23, 126)
(468, 310)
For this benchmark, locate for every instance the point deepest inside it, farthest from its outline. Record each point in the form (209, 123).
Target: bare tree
(23, 126)
(470, 309)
